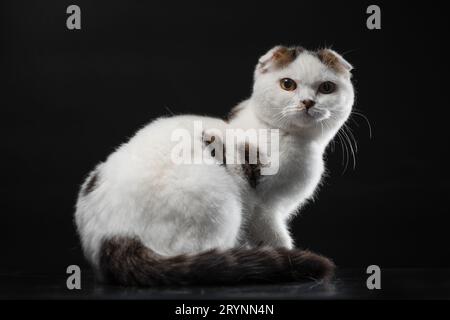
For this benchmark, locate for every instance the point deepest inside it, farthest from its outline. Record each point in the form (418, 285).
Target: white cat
(144, 220)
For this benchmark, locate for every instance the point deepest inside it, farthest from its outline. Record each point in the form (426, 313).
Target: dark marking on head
(91, 183)
(328, 58)
(278, 57)
(284, 56)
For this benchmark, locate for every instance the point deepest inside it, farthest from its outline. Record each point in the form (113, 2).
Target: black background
(68, 98)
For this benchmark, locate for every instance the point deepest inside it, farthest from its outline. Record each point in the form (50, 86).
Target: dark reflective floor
(349, 284)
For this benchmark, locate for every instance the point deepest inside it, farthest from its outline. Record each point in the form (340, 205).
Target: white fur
(185, 208)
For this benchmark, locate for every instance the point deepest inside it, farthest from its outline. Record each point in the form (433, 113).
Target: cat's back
(148, 161)
(156, 142)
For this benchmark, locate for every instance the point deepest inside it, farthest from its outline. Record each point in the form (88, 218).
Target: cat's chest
(299, 173)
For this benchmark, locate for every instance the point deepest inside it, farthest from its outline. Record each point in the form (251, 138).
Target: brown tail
(127, 261)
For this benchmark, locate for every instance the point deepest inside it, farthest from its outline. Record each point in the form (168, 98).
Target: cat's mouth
(315, 114)
(305, 117)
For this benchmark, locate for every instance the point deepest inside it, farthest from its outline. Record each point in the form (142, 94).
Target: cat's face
(299, 90)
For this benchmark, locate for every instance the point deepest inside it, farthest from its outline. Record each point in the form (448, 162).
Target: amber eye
(288, 84)
(327, 87)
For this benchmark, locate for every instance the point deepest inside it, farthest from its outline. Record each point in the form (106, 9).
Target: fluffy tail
(127, 261)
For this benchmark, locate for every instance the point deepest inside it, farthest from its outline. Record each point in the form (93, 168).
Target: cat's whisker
(280, 116)
(171, 112)
(350, 145)
(342, 148)
(345, 153)
(365, 119)
(321, 129)
(352, 136)
(333, 141)
(354, 121)
(347, 149)
(341, 143)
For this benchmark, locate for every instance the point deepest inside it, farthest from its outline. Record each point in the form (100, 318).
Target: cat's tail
(127, 261)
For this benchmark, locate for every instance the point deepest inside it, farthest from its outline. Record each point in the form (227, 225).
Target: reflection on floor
(349, 284)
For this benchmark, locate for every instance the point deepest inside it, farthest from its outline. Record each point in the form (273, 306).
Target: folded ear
(277, 57)
(334, 60)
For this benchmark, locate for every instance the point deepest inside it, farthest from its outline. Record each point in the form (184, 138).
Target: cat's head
(303, 91)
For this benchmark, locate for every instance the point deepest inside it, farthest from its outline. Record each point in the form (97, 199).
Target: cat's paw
(214, 145)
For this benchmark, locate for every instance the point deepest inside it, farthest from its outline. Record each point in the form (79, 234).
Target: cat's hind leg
(200, 209)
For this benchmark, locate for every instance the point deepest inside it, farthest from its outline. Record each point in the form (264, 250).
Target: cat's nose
(308, 103)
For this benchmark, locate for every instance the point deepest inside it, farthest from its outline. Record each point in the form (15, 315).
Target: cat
(146, 221)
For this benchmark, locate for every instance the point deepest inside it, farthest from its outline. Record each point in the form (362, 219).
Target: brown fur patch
(207, 141)
(329, 59)
(126, 261)
(252, 171)
(91, 183)
(284, 56)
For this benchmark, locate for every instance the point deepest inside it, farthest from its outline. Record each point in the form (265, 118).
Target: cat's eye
(327, 87)
(288, 84)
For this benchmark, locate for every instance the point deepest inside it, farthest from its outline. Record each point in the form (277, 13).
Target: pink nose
(308, 103)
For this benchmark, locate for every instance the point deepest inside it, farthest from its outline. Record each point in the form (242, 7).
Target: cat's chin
(305, 126)
(316, 115)
(310, 126)
(309, 119)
